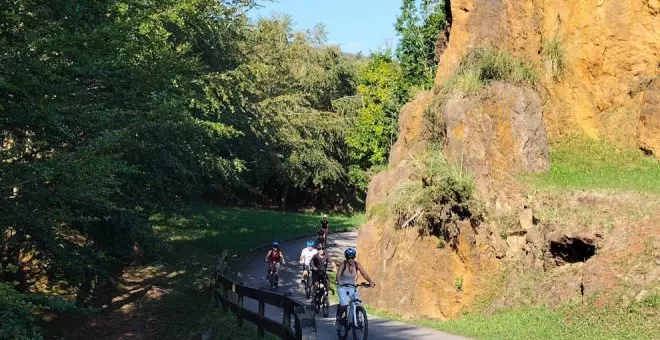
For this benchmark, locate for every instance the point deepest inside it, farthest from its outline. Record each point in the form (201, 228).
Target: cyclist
(347, 274)
(306, 256)
(274, 257)
(319, 265)
(324, 230)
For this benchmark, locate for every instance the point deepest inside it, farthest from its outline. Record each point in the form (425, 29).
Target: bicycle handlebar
(363, 284)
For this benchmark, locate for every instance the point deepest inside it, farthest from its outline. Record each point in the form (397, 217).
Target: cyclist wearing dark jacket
(324, 230)
(319, 265)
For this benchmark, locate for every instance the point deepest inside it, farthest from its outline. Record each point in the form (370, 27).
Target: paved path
(255, 272)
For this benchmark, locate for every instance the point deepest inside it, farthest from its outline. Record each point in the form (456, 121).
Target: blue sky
(357, 25)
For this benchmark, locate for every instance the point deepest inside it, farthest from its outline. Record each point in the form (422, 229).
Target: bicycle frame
(354, 302)
(352, 306)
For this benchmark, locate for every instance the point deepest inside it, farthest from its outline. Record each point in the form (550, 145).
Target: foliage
(434, 202)
(579, 162)
(16, 319)
(458, 284)
(291, 140)
(111, 110)
(419, 26)
(375, 124)
(483, 65)
(554, 57)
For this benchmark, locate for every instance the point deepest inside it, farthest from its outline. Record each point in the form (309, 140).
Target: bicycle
(322, 240)
(355, 316)
(307, 281)
(320, 302)
(272, 275)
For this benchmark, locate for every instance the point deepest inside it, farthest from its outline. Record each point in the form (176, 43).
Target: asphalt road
(254, 275)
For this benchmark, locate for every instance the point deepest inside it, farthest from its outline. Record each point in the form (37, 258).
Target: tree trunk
(285, 193)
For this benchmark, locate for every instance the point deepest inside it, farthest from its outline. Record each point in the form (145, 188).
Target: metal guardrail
(230, 295)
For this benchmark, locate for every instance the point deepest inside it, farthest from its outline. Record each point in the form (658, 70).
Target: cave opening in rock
(572, 250)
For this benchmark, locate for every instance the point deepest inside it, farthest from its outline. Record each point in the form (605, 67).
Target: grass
(554, 57)
(580, 163)
(208, 228)
(196, 236)
(640, 320)
(484, 65)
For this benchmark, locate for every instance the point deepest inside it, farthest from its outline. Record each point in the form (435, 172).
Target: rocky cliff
(597, 61)
(611, 52)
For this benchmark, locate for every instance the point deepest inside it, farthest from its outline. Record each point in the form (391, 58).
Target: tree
(103, 120)
(419, 26)
(375, 124)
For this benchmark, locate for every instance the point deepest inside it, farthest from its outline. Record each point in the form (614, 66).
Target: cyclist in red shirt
(274, 257)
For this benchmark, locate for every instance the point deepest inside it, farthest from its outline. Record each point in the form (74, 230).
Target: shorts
(318, 276)
(345, 299)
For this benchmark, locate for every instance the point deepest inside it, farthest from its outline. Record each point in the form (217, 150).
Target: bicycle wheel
(317, 305)
(362, 327)
(272, 280)
(326, 307)
(308, 288)
(342, 327)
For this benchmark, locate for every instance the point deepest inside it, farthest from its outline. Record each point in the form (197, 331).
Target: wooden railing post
(260, 329)
(239, 312)
(225, 298)
(299, 314)
(286, 319)
(216, 286)
(286, 315)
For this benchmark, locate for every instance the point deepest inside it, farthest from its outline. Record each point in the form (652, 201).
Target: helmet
(310, 243)
(350, 252)
(325, 217)
(319, 246)
(275, 244)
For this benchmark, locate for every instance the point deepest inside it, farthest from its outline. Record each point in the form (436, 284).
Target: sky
(354, 25)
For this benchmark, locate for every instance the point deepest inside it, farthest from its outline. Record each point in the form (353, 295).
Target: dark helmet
(320, 246)
(350, 253)
(276, 245)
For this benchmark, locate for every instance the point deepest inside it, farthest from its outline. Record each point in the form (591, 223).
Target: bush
(484, 65)
(441, 196)
(554, 58)
(16, 318)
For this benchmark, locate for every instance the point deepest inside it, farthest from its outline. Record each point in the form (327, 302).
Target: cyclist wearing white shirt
(306, 256)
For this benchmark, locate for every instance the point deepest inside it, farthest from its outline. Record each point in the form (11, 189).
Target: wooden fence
(230, 295)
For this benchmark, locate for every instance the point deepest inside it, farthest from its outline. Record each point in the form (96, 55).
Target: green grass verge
(640, 320)
(580, 163)
(208, 228)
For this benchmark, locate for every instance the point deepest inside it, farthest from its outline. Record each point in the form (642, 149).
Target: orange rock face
(649, 127)
(611, 55)
(610, 48)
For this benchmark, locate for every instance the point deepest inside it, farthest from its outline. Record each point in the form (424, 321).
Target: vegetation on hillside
(483, 65)
(439, 196)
